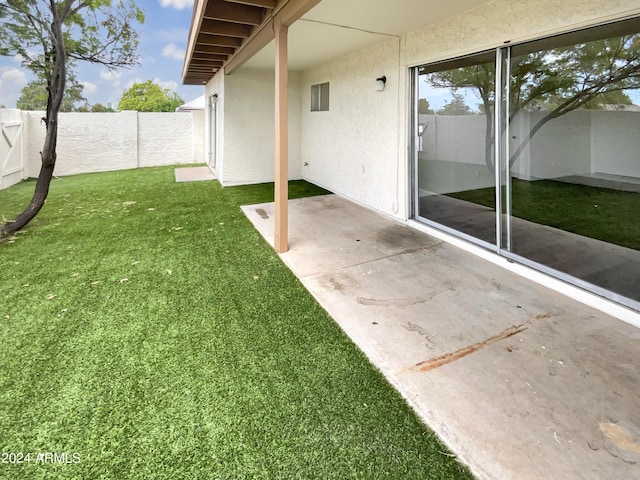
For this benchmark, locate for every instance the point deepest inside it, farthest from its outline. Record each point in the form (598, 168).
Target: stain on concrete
(620, 437)
(335, 284)
(617, 441)
(392, 302)
(554, 368)
(400, 237)
(263, 213)
(463, 352)
(412, 327)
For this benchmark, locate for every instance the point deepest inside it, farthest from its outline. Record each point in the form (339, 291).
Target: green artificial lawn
(147, 327)
(595, 212)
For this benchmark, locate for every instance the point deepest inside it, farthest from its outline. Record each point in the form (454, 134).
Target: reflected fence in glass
(455, 139)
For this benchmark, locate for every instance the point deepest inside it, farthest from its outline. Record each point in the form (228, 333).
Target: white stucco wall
(214, 147)
(165, 138)
(100, 142)
(247, 152)
(197, 136)
(34, 139)
(97, 142)
(581, 142)
(620, 129)
(354, 148)
(499, 21)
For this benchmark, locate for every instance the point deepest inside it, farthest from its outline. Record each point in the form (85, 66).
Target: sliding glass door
(566, 156)
(455, 104)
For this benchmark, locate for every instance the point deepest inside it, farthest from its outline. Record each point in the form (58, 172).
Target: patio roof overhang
(229, 32)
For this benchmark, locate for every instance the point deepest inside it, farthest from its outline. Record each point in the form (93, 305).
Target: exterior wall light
(380, 83)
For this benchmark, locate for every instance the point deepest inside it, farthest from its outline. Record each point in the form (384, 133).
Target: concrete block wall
(99, 142)
(578, 143)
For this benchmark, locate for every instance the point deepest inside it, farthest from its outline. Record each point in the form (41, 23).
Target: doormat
(194, 174)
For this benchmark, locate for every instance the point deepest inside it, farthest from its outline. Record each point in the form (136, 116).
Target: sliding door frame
(502, 168)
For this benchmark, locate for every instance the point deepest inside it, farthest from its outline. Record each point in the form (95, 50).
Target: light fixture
(380, 83)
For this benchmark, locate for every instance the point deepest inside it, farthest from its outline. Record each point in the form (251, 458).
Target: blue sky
(163, 40)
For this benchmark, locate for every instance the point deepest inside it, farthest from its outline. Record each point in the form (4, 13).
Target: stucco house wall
(245, 126)
(354, 149)
(214, 147)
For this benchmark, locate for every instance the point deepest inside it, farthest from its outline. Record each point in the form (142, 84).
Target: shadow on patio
(520, 381)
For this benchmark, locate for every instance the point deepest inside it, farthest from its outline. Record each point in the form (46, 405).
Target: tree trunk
(488, 132)
(56, 86)
(42, 186)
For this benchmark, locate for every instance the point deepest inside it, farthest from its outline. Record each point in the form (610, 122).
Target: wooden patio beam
(286, 14)
(228, 29)
(234, 12)
(209, 57)
(214, 49)
(194, 33)
(213, 40)
(257, 3)
(281, 241)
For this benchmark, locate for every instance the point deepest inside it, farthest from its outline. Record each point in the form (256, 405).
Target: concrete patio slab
(520, 381)
(194, 174)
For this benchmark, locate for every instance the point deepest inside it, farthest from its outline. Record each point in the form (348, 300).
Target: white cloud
(177, 4)
(110, 75)
(13, 75)
(11, 82)
(89, 88)
(132, 81)
(170, 85)
(170, 50)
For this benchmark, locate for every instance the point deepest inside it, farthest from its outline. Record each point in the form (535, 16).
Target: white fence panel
(11, 149)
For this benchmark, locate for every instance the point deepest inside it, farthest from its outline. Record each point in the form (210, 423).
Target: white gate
(11, 153)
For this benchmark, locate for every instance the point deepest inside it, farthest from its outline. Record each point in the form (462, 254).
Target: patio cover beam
(286, 12)
(233, 12)
(227, 29)
(208, 56)
(208, 39)
(257, 3)
(281, 243)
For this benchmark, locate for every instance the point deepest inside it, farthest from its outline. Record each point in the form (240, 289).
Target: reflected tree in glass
(557, 81)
